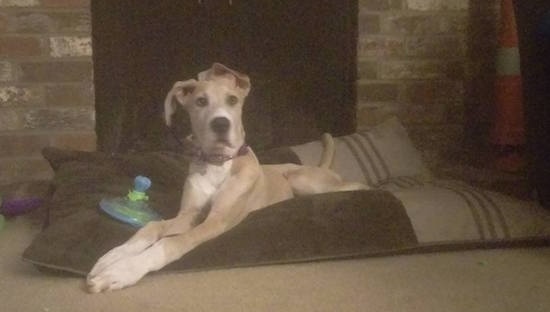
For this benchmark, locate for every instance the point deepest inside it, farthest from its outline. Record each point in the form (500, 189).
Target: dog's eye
(232, 100)
(201, 102)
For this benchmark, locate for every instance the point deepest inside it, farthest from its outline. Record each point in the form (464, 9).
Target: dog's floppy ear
(220, 71)
(180, 90)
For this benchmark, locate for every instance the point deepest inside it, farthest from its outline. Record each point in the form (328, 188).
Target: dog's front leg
(130, 270)
(192, 202)
(228, 209)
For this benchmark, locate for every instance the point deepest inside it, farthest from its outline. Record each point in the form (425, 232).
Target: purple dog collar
(220, 158)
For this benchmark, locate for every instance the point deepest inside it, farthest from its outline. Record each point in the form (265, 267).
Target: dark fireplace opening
(300, 55)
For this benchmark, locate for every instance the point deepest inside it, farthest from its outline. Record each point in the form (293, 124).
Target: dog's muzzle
(220, 125)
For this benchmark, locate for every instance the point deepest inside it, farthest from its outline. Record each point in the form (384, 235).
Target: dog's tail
(328, 151)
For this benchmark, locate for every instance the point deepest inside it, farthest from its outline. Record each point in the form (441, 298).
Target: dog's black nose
(220, 125)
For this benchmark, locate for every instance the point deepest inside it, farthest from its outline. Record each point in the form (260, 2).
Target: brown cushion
(320, 227)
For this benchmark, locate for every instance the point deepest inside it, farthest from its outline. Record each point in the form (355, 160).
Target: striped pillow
(372, 156)
(446, 211)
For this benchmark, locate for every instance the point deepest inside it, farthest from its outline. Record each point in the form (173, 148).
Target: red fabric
(508, 37)
(509, 120)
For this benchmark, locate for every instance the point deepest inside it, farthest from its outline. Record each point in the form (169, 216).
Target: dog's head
(214, 103)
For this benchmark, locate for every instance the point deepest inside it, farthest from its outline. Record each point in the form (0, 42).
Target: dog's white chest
(208, 178)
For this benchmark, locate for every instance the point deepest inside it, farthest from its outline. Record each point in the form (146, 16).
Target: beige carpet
(494, 280)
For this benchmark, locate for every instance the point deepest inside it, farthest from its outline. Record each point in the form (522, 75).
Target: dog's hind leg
(314, 180)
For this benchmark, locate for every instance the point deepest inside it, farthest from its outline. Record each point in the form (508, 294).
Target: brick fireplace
(427, 61)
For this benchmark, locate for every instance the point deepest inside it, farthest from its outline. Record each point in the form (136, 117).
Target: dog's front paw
(114, 255)
(120, 274)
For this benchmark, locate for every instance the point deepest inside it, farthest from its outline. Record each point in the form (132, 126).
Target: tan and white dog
(225, 178)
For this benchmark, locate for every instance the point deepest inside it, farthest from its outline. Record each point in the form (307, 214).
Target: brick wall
(415, 61)
(46, 89)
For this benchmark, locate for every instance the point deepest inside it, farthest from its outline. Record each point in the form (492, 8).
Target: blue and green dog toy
(132, 209)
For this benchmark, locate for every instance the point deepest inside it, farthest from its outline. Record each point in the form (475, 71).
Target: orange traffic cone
(508, 128)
